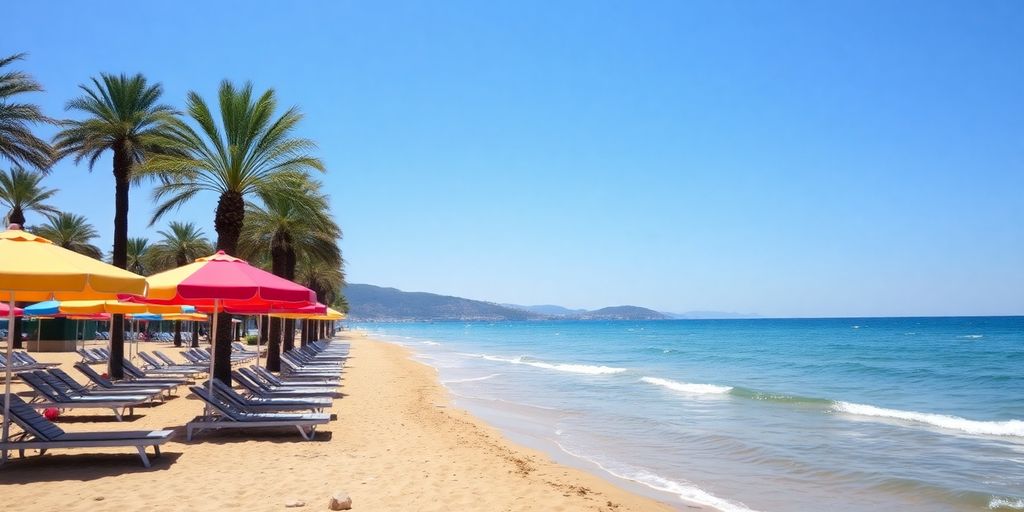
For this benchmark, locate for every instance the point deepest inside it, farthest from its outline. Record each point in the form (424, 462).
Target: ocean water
(770, 415)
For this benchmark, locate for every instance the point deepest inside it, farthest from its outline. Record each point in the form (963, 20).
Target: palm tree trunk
(16, 328)
(195, 335)
(17, 216)
(177, 333)
(273, 343)
(228, 223)
(289, 335)
(122, 184)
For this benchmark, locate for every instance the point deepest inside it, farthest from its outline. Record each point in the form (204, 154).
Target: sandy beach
(397, 444)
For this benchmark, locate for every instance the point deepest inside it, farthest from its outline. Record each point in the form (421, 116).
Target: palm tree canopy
(293, 217)
(248, 150)
(181, 244)
(71, 232)
(20, 191)
(120, 111)
(17, 143)
(138, 256)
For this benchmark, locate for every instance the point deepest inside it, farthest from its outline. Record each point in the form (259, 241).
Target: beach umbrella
(5, 310)
(33, 269)
(223, 283)
(87, 307)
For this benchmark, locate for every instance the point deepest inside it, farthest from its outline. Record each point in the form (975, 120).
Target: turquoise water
(772, 415)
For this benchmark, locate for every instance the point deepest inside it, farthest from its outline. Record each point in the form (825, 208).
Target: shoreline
(398, 443)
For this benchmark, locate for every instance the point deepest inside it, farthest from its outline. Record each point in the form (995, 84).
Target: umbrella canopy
(5, 310)
(32, 269)
(223, 283)
(310, 314)
(197, 317)
(84, 307)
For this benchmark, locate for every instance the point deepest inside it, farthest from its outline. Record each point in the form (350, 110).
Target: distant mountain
(623, 313)
(548, 310)
(368, 303)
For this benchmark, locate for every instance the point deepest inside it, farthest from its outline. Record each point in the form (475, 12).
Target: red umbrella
(223, 283)
(5, 310)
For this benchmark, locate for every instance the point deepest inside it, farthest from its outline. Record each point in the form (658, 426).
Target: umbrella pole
(213, 341)
(39, 334)
(259, 337)
(7, 380)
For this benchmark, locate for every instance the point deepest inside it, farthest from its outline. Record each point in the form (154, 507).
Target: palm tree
(294, 220)
(326, 278)
(17, 143)
(182, 243)
(249, 150)
(138, 256)
(20, 190)
(122, 115)
(72, 232)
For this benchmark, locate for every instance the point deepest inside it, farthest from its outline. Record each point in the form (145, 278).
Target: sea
(846, 414)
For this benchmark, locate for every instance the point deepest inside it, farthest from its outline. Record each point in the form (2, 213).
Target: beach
(397, 444)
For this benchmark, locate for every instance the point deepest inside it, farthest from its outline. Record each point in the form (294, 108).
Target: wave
(972, 336)
(1013, 428)
(562, 367)
(686, 387)
(472, 379)
(685, 491)
(430, 343)
(1003, 503)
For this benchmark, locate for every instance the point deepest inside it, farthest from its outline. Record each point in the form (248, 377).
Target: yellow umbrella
(114, 306)
(34, 269)
(330, 314)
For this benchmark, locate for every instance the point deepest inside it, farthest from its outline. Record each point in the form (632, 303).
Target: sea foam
(571, 368)
(685, 491)
(686, 387)
(472, 379)
(992, 428)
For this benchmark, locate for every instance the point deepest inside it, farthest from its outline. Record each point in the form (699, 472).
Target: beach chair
(39, 434)
(158, 364)
(272, 404)
(171, 362)
(155, 375)
(52, 397)
(90, 357)
(75, 387)
(253, 384)
(273, 381)
(226, 415)
(27, 359)
(105, 383)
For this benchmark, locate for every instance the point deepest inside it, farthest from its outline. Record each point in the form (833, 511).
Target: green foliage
(18, 144)
(121, 111)
(248, 151)
(71, 232)
(251, 339)
(21, 191)
(181, 244)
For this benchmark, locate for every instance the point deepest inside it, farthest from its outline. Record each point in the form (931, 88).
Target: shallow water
(774, 415)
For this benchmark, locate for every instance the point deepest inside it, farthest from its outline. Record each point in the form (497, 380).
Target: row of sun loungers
(297, 398)
(271, 401)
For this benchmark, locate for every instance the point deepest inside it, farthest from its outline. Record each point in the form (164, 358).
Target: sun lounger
(171, 362)
(228, 416)
(103, 382)
(252, 383)
(273, 404)
(261, 374)
(139, 374)
(75, 387)
(53, 397)
(39, 434)
(157, 364)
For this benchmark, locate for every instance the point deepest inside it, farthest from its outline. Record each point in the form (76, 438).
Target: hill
(549, 310)
(623, 313)
(370, 303)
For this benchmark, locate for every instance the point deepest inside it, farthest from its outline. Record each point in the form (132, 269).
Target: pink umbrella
(5, 310)
(223, 283)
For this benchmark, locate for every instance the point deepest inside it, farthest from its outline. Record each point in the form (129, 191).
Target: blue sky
(778, 158)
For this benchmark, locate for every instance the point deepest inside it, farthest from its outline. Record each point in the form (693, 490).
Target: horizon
(788, 159)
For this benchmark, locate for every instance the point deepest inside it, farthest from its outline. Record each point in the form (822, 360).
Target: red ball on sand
(105, 376)
(51, 413)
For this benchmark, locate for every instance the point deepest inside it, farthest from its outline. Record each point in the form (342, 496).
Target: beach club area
(342, 421)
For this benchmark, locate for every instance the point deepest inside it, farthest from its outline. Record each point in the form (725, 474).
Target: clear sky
(780, 158)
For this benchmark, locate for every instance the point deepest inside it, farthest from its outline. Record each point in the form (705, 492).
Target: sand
(397, 444)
